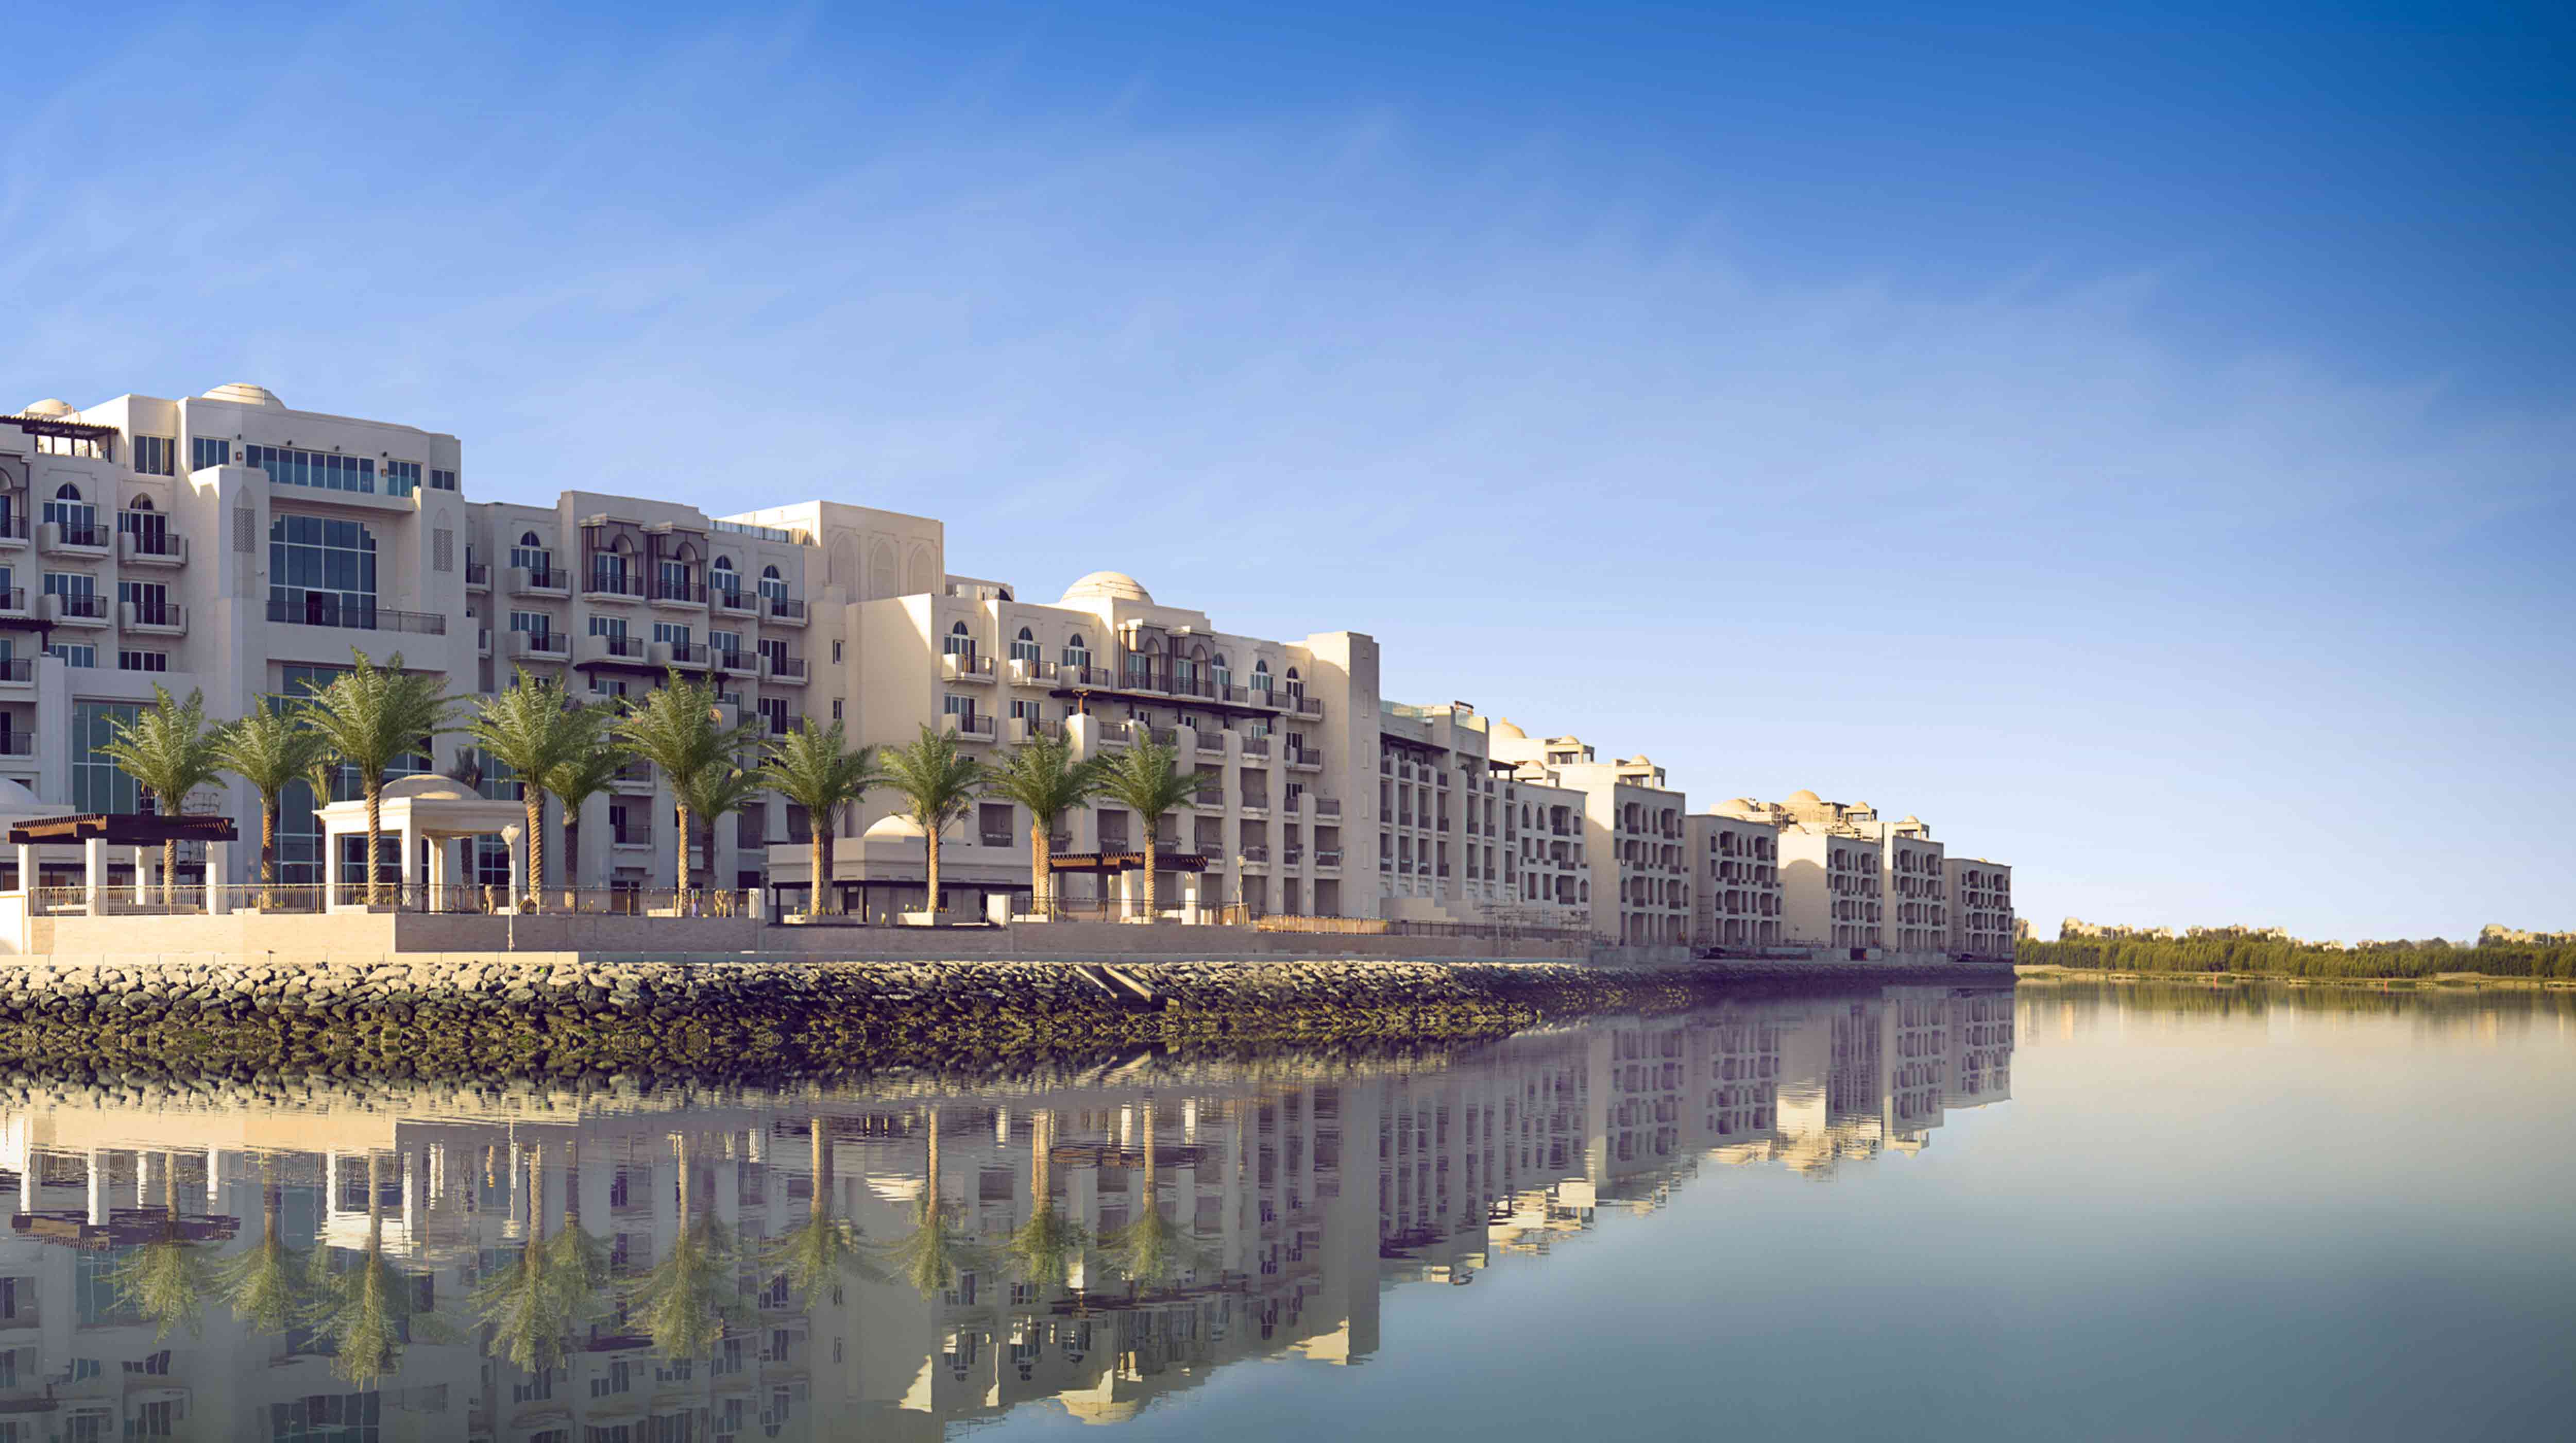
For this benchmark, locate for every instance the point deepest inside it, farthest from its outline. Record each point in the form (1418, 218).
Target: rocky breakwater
(741, 1021)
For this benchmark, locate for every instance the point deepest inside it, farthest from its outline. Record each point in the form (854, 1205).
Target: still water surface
(2069, 1211)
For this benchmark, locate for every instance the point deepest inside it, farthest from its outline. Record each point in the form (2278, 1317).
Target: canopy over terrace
(427, 809)
(95, 832)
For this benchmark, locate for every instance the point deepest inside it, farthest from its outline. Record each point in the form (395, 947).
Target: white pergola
(433, 809)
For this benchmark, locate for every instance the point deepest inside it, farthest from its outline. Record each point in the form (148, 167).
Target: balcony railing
(478, 574)
(1328, 806)
(995, 839)
(637, 835)
(524, 579)
(17, 744)
(152, 548)
(88, 536)
(17, 671)
(683, 593)
(688, 653)
(785, 668)
(971, 728)
(1305, 706)
(1256, 746)
(539, 644)
(156, 615)
(1301, 757)
(786, 608)
(737, 661)
(730, 598)
(965, 666)
(13, 601)
(80, 605)
(1254, 852)
(633, 775)
(613, 586)
(1027, 670)
(1212, 741)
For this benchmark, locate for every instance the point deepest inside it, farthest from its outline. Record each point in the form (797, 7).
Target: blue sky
(2137, 443)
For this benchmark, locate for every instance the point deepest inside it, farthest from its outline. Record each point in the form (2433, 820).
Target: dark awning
(1125, 862)
(123, 829)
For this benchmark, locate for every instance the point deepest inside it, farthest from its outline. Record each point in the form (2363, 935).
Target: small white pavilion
(442, 812)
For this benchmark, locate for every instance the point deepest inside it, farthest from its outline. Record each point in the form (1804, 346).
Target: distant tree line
(2278, 958)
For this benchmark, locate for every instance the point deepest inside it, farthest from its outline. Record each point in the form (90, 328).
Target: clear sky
(2136, 439)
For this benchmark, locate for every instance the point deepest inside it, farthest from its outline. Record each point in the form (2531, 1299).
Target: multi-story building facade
(1735, 860)
(1910, 862)
(1981, 907)
(1490, 846)
(1633, 834)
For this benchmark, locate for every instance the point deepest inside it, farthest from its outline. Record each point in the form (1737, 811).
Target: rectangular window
(773, 710)
(674, 632)
(319, 470)
(143, 661)
(402, 477)
(536, 560)
(534, 623)
(608, 626)
(156, 455)
(205, 451)
(73, 653)
(98, 785)
(441, 480)
(321, 571)
(725, 643)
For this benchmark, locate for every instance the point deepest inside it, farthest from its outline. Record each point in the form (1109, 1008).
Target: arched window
(141, 503)
(1185, 672)
(1220, 674)
(724, 581)
(149, 528)
(77, 518)
(1261, 679)
(959, 641)
(531, 556)
(1077, 652)
(1024, 647)
(772, 585)
(1296, 688)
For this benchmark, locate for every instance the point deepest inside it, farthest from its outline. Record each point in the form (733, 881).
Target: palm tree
(167, 1278)
(532, 728)
(366, 1311)
(1042, 775)
(170, 752)
(818, 1252)
(574, 782)
(374, 717)
(1147, 780)
(272, 749)
(934, 1252)
(679, 729)
(815, 769)
(535, 1304)
(1046, 1245)
(262, 1281)
(1152, 1248)
(694, 1291)
(717, 792)
(938, 783)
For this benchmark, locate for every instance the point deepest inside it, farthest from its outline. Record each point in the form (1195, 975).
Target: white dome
(244, 393)
(1804, 796)
(1505, 727)
(50, 406)
(892, 828)
(1115, 585)
(428, 788)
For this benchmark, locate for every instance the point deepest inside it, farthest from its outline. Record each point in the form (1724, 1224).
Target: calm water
(2071, 1211)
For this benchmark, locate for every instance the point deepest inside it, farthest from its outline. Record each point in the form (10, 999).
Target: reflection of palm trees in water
(1045, 1247)
(936, 1250)
(689, 1296)
(818, 1253)
(369, 1310)
(534, 1305)
(262, 1282)
(1152, 1250)
(166, 1278)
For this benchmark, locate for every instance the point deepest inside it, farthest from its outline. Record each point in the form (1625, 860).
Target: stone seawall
(506, 1017)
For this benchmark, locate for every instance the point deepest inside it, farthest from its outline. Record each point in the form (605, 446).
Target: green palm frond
(1146, 779)
(1154, 1251)
(579, 778)
(1043, 775)
(166, 1281)
(539, 1302)
(265, 1285)
(168, 749)
(685, 1301)
(678, 729)
(814, 768)
(373, 716)
(532, 727)
(937, 779)
(818, 1255)
(1046, 1247)
(936, 1250)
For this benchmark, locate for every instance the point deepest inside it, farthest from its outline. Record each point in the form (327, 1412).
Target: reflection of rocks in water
(810, 1261)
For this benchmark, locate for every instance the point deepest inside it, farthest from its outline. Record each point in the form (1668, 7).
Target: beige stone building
(1463, 837)
(1641, 879)
(1981, 907)
(1736, 904)
(1917, 887)
(1831, 869)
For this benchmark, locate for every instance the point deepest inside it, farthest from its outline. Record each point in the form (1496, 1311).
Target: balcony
(478, 574)
(730, 601)
(633, 777)
(1302, 705)
(527, 581)
(605, 585)
(65, 538)
(537, 646)
(18, 671)
(995, 839)
(785, 611)
(1328, 807)
(609, 651)
(1028, 671)
(787, 669)
(1254, 854)
(1300, 759)
(1212, 742)
(1030, 728)
(634, 834)
(1163, 736)
(156, 617)
(1086, 676)
(134, 549)
(1256, 809)
(483, 641)
(1292, 856)
(76, 609)
(1256, 747)
(1144, 678)
(18, 747)
(968, 728)
(680, 594)
(14, 605)
(1328, 859)
(13, 532)
(738, 662)
(965, 666)
(1116, 734)
(686, 655)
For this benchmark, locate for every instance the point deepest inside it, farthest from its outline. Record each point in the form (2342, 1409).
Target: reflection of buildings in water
(1287, 1207)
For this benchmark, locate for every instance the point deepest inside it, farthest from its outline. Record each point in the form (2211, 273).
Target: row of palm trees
(370, 720)
(563, 1283)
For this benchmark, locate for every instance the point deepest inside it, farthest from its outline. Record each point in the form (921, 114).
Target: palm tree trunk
(930, 873)
(822, 1145)
(680, 902)
(1041, 853)
(818, 831)
(535, 797)
(375, 833)
(1153, 828)
(267, 849)
(930, 1182)
(680, 1146)
(1151, 1205)
(169, 872)
(572, 857)
(1042, 1165)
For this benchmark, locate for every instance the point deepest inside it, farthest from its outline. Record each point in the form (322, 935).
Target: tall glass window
(97, 784)
(402, 477)
(1077, 653)
(723, 580)
(321, 571)
(773, 587)
(322, 470)
(77, 518)
(1024, 647)
(531, 555)
(205, 451)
